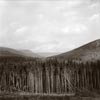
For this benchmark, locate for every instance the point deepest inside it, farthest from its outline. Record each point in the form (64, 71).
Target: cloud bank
(48, 25)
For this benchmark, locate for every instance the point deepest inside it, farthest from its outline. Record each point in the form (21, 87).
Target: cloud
(95, 16)
(47, 25)
(74, 29)
(21, 30)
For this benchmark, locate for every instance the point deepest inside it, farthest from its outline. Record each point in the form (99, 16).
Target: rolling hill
(48, 54)
(87, 52)
(29, 53)
(5, 52)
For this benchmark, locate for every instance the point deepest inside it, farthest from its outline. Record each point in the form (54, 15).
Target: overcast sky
(48, 25)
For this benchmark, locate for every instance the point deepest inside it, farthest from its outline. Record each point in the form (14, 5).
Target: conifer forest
(33, 75)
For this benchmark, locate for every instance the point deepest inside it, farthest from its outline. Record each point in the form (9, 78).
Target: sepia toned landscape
(49, 49)
(69, 75)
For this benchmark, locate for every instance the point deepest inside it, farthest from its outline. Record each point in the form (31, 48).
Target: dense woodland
(19, 74)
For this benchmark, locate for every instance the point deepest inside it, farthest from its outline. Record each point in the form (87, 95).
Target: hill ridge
(87, 52)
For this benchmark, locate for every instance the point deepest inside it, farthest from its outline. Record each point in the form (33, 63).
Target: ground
(44, 97)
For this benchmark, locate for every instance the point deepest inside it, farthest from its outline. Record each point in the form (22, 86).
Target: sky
(48, 25)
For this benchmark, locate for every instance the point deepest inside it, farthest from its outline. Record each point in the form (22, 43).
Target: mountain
(87, 52)
(48, 54)
(30, 53)
(4, 51)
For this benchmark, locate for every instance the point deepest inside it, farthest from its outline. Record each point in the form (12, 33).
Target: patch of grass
(45, 97)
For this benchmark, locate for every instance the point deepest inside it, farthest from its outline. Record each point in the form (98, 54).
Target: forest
(33, 75)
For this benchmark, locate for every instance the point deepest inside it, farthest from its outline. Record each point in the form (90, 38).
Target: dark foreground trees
(48, 76)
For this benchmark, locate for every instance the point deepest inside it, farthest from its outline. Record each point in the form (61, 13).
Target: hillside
(88, 52)
(29, 53)
(6, 52)
(48, 54)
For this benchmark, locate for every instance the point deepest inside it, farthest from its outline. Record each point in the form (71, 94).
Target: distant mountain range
(4, 51)
(48, 54)
(19, 53)
(88, 52)
(29, 53)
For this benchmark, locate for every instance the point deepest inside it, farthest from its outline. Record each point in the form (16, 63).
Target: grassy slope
(44, 97)
(48, 98)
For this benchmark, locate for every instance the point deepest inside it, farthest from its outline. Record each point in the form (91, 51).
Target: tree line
(35, 75)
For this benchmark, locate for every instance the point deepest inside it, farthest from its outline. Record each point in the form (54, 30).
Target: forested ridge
(18, 74)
